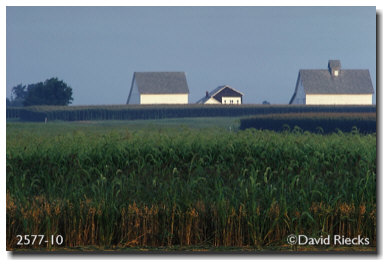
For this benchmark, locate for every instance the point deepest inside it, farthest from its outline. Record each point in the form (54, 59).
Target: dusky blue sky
(257, 50)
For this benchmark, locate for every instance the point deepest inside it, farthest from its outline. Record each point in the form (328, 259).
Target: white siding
(231, 100)
(164, 99)
(347, 99)
(212, 101)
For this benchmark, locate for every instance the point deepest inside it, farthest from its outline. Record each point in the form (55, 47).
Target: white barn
(222, 95)
(333, 86)
(158, 88)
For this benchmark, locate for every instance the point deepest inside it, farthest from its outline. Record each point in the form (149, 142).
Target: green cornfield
(132, 112)
(181, 187)
(314, 122)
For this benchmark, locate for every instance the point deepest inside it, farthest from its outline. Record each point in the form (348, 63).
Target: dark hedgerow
(132, 112)
(13, 112)
(325, 123)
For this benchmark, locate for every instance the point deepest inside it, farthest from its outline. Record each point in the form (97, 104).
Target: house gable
(221, 93)
(227, 92)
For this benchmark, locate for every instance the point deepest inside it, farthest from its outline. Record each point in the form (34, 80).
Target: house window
(238, 101)
(231, 101)
(224, 101)
(336, 73)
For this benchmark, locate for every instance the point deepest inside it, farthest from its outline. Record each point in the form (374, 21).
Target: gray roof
(161, 82)
(347, 82)
(216, 90)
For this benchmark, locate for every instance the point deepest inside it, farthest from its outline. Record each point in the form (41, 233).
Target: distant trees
(266, 102)
(50, 92)
(17, 96)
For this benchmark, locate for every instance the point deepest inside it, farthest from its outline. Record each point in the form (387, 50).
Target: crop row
(131, 112)
(313, 122)
(190, 188)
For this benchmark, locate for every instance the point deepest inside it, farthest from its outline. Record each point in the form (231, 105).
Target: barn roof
(215, 92)
(347, 82)
(161, 82)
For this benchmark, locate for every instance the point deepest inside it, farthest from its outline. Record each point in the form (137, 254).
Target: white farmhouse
(222, 95)
(333, 86)
(158, 88)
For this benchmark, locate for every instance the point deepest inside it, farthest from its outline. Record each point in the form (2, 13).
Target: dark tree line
(50, 92)
(133, 112)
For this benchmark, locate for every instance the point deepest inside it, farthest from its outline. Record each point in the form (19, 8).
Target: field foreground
(134, 186)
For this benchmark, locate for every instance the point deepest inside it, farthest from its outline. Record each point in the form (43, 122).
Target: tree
(50, 92)
(266, 102)
(18, 95)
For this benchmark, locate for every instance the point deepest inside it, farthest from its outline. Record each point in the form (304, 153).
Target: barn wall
(358, 99)
(164, 98)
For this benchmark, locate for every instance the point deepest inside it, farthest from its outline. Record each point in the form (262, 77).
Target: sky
(256, 50)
